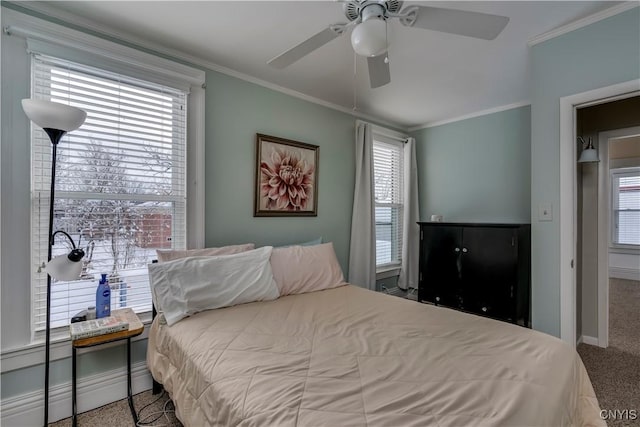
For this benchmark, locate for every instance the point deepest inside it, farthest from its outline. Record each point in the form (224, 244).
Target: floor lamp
(56, 120)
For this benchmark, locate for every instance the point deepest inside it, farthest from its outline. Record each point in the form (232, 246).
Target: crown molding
(588, 20)
(100, 30)
(389, 133)
(471, 115)
(46, 37)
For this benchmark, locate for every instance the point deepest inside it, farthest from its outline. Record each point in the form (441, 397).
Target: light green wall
(21, 381)
(236, 111)
(16, 197)
(478, 169)
(601, 54)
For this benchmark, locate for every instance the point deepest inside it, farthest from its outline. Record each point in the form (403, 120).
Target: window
(388, 158)
(625, 227)
(120, 185)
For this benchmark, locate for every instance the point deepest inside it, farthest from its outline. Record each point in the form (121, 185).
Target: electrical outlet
(545, 212)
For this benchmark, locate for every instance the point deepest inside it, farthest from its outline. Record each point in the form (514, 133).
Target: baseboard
(624, 273)
(588, 340)
(92, 392)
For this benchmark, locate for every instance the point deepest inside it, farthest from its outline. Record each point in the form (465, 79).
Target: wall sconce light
(589, 153)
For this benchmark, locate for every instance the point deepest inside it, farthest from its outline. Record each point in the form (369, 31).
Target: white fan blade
(312, 43)
(462, 22)
(379, 74)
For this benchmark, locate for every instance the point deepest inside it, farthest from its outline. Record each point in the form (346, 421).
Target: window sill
(33, 354)
(630, 250)
(388, 271)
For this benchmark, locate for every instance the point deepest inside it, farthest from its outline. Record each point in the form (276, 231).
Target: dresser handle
(484, 309)
(465, 250)
(457, 249)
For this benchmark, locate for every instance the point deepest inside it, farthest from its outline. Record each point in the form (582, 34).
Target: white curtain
(362, 254)
(411, 231)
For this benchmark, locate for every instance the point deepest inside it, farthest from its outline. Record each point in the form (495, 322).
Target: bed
(349, 356)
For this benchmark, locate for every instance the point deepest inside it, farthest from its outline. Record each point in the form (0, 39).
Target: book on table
(95, 327)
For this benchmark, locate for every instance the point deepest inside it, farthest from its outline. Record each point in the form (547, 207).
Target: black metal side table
(135, 328)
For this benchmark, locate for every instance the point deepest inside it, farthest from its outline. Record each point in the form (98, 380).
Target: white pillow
(300, 269)
(170, 255)
(189, 285)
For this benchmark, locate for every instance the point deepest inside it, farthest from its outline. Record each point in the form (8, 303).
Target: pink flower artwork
(287, 177)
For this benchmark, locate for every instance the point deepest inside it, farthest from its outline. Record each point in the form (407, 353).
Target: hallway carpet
(615, 371)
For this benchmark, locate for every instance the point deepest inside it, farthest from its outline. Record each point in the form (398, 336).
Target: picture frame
(286, 177)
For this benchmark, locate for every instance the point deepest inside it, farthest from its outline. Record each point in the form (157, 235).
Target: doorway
(568, 195)
(612, 357)
(619, 238)
(612, 126)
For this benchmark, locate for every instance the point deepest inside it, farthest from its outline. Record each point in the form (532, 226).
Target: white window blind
(120, 185)
(626, 206)
(388, 173)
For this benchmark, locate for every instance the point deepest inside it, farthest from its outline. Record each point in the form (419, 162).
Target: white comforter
(349, 356)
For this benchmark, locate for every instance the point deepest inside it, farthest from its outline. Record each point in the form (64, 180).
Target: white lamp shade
(62, 268)
(53, 115)
(369, 38)
(588, 155)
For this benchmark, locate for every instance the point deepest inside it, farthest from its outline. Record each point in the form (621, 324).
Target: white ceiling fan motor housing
(369, 38)
(353, 8)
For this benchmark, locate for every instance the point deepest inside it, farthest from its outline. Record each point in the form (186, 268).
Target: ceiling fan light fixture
(369, 38)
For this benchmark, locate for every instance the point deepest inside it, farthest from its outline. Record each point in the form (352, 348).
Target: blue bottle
(103, 298)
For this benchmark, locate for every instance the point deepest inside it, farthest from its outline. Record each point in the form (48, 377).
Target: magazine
(94, 327)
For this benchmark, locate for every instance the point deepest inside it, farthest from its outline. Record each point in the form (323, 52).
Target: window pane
(387, 171)
(383, 235)
(388, 188)
(388, 235)
(626, 190)
(628, 227)
(120, 184)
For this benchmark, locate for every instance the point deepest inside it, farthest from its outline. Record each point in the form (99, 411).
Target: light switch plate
(545, 212)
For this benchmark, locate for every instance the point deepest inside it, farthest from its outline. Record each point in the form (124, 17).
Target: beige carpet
(615, 371)
(117, 414)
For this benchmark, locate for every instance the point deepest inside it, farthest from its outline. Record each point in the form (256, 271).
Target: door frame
(604, 228)
(568, 194)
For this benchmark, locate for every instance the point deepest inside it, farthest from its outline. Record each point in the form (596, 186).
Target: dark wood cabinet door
(489, 271)
(479, 268)
(440, 266)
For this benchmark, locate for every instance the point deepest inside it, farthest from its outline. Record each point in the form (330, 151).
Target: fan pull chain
(386, 41)
(355, 81)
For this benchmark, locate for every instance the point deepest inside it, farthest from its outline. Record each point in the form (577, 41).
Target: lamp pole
(55, 135)
(55, 119)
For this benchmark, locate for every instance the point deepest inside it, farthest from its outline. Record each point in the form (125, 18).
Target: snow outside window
(120, 186)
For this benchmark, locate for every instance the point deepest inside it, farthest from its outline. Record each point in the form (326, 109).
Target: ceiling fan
(368, 18)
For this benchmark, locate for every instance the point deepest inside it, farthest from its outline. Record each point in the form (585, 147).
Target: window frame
(380, 136)
(50, 82)
(614, 175)
(53, 40)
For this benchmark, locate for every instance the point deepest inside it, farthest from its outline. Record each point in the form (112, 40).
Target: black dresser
(483, 269)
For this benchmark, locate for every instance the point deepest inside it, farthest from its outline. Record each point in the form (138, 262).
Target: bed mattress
(349, 356)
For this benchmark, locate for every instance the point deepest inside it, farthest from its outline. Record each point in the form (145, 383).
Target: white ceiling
(434, 76)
